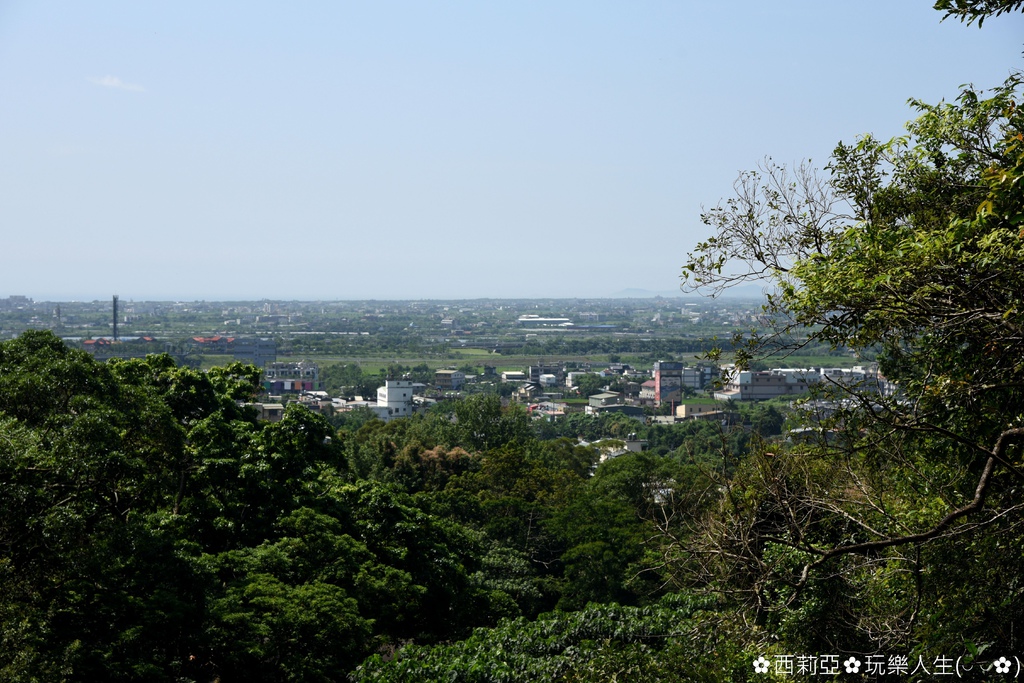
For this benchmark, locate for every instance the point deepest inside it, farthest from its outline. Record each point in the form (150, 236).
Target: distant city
(647, 358)
(490, 324)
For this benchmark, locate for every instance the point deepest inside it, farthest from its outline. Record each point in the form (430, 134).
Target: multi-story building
(281, 377)
(394, 399)
(548, 380)
(698, 377)
(451, 380)
(668, 382)
(537, 370)
(670, 377)
(255, 351)
(747, 385)
(647, 393)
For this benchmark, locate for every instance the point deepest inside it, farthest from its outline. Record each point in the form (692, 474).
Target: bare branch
(1005, 440)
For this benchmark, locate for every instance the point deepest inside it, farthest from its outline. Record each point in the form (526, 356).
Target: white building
(747, 385)
(856, 375)
(755, 386)
(572, 377)
(394, 399)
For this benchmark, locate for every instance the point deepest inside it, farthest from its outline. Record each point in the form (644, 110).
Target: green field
(213, 360)
(480, 357)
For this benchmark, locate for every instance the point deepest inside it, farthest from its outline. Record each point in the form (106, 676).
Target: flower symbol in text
(1002, 665)
(761, 665)
(852, 665)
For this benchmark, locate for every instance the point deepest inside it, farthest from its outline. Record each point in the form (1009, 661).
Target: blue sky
(337, 150)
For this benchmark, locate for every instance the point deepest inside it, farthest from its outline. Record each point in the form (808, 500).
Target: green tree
(480, 422)
(95, 588)
(151, 528)
(590, 384)
(923, 267)
(661, 643)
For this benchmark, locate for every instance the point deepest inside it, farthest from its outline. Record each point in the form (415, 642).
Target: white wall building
(396, 398)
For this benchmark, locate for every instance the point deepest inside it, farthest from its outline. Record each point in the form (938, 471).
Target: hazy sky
(338, 150)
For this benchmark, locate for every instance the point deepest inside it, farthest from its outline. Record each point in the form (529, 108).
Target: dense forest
(153, 528)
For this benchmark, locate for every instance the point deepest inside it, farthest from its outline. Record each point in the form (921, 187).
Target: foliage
(153, 528)
(977, 10)
(481, 423)
(663, 642)
(922, 268)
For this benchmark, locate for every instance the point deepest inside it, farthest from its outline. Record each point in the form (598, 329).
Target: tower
(115, 317)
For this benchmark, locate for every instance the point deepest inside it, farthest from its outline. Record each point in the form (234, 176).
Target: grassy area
(472, 353)
(213, 360)
(480, 357)
(475, 359)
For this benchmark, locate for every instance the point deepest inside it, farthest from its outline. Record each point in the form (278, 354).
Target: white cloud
(115, 82)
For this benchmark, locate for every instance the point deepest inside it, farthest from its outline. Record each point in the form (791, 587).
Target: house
(606, 398)
(754, 386)
(537, 371)
(647, 393)
(317, 401)
(548, 409)
(698, 411)
(450, 380)
(528, 391)
(270, 412)
(630, 390)
(630, 445)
